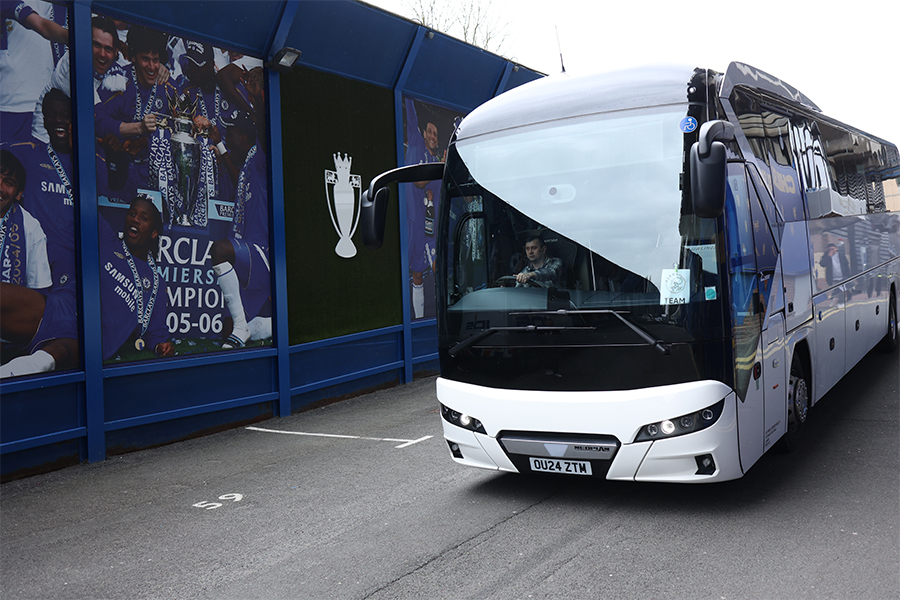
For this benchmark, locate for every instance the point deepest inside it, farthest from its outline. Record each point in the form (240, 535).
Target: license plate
(555, 465)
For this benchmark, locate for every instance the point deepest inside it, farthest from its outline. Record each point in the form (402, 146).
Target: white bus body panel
(752, 414)
(865, 325)
(619, 413)
(829, 360)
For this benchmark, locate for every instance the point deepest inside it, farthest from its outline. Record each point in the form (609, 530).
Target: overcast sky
(843, 55)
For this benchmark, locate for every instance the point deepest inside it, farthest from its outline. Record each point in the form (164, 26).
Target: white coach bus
(653, 274)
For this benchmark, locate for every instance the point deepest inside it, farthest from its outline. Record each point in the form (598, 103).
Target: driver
(541, 269)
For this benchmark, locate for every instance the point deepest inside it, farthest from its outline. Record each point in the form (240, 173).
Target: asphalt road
(384, 514)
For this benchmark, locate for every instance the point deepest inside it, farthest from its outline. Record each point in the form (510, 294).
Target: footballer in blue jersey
(49, 321)
(132, 292)
(49, 192)
(199, 82)
(241, 260)
(198, 87)
(421, 204)
(23, 244)
(127, 119)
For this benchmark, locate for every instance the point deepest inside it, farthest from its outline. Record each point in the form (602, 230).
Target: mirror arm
(407, 174)
(714, 131)
(374, 201)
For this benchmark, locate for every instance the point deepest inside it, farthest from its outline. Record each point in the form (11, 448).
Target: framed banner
(39, 323)
(183, 198)
(426, 134)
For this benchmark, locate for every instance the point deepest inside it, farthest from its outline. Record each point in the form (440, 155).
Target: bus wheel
(889, 343)
(798, 406)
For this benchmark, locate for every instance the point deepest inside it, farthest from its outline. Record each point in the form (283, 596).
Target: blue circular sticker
(688, 124)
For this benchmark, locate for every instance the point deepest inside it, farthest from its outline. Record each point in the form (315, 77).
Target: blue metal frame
(89, 253)
(279, 246)
(399, 84)
(279, 36)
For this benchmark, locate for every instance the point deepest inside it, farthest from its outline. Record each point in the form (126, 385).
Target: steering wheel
(505, 280)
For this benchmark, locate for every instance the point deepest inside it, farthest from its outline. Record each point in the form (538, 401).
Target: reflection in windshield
(609, 183)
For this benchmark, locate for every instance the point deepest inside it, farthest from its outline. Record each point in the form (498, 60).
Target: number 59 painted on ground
(212, 505)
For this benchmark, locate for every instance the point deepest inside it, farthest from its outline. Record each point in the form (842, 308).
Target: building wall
(327, 119)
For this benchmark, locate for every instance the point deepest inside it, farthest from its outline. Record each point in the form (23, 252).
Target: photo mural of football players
(38, 301)
(195, 155)
(427, 130)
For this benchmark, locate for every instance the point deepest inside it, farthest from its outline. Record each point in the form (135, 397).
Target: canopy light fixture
(283, 60)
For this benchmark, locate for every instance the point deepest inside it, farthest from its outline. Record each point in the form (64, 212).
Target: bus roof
(562, 96)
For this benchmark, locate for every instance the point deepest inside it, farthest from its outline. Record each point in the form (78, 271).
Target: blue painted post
(279, 245)
(86, 220)
(404, 234)
(278, 255)
(279, 38)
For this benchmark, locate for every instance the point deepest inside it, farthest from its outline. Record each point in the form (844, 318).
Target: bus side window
(848, 160)
(812, 166)
(769, 135)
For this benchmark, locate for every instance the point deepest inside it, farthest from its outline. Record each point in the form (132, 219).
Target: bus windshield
(603, 195)
(576, 235)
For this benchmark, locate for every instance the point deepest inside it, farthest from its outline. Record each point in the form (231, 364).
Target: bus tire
(798, 407)
(889, 342)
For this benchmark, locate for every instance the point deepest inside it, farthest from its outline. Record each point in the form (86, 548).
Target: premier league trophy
(182, 181)
(345, 213)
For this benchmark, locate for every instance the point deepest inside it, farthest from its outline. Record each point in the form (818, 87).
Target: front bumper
(576, 424)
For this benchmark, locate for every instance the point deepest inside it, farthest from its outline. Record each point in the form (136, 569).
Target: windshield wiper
(471, 341)
(662, 346)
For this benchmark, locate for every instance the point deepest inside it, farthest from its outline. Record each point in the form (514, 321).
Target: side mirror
(374, 201)
(708, 168)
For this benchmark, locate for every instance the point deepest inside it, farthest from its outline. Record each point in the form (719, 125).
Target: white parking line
(404, 444)
(411, 442)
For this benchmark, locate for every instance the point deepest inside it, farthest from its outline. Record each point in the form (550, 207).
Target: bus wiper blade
(660, 345)
(471, 341)
(663, 347)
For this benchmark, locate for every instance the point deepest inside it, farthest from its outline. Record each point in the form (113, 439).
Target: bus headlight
(682, 425)
(461, 420)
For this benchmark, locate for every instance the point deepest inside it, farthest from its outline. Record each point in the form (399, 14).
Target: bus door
(758, 312)
(771, 255)
(744, 282)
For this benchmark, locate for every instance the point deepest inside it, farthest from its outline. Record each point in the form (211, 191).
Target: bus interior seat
(566, 251)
